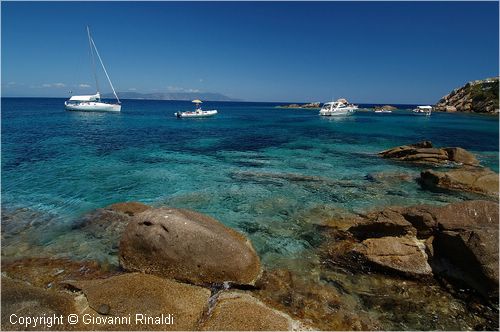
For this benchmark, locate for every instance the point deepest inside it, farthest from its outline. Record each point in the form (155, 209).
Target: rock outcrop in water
(425, 153)
(458, 241)
(385, 108)
(477, 96)
(309, 105)
(477, 180)
(405, 255)
(187, 246)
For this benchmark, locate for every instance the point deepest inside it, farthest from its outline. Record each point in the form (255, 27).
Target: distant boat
(423, 110)
(383, 111)
(197, 113)
(93, 103)
(339, 107)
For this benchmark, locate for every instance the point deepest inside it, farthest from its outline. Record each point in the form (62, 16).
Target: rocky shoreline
(432, 267)
(479, 96)
(315, 105)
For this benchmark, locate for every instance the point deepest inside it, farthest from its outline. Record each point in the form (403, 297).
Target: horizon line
(231, 101)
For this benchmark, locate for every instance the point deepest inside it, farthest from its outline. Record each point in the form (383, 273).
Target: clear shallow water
(270, 173)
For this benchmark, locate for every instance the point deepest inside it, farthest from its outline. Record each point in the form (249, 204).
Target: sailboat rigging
(93, 103)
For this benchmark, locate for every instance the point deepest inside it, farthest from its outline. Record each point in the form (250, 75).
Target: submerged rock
(109, 223)
(319, 304)
(187, 246)
(50, 272)
(147, 295)
(476, 180)
(129, 208)
(425, 153)
(238, 311)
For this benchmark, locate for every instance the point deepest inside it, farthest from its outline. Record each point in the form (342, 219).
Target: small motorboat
(339, 107)
(197, 113)
(422, 110)
(383, 111)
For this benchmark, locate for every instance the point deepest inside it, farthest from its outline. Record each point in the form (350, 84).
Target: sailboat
(93, 103)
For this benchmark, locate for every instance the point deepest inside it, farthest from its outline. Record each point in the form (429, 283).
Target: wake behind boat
(93, 103)
(339, 107)
(197, 113)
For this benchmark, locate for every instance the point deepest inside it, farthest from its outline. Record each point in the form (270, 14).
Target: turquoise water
(270, 173)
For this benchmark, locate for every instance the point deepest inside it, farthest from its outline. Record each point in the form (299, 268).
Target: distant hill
(477, 96)
(172, 96)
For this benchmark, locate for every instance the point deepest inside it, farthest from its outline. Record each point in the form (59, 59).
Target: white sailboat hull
(93, 107)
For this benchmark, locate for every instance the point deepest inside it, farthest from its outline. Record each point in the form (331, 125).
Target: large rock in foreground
(146, 295)
(476, 180)
(458, 241)
(23, 300)
(187, 246)
(237, 311)
(465, 242)
(425, 153)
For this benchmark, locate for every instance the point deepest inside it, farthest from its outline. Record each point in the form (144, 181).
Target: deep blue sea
(270, 173)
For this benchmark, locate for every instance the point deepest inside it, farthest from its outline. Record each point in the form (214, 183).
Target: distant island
(212, 96)
(479, 96)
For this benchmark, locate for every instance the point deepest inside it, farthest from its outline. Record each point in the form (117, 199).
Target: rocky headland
(309, 105)
(385, 108)
(479, 96)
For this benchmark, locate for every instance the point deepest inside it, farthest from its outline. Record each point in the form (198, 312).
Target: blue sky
(380, 52)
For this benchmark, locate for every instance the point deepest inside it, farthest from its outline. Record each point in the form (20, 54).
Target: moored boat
(339, 107)
(197, 113)
(422, 110)
(93, 103)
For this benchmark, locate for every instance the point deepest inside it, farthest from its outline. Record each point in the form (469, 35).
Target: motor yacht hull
(337, 112)
(196, 114)
(93, 107)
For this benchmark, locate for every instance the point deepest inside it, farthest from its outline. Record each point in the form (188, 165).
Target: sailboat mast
(93, 60)
(105, 71)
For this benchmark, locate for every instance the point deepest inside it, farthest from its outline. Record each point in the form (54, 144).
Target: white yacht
(339, 107)
(422, 110)
(197, 113)
(93, 103)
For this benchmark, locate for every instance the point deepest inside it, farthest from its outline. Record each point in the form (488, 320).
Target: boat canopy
(425, 107)
(86, 98)
(197, 101)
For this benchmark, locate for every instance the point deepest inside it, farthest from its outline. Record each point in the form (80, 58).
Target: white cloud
(132, 89)
(53, 85)
(84, 85)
